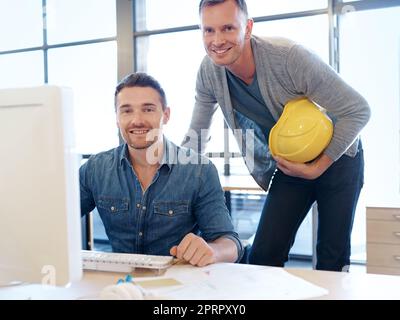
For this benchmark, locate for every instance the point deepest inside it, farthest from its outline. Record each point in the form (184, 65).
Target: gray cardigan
(285, 70)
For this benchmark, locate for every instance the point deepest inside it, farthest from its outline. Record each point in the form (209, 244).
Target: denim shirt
(185, 196)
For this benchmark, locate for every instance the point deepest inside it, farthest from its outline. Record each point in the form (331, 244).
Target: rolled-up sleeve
(210, 209)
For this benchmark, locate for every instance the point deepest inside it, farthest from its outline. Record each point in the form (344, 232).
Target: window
(21, 24)
(68, 48)
(161, 14)
(21, 69)
(370, 62)
(173, 59)
(265, 8)
(36, 52)
(76, 20)
(312, 32)
(90, 70)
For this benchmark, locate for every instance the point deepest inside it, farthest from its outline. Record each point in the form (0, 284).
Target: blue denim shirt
(185, 196)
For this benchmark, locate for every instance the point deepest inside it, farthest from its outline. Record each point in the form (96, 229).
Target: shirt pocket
(171, 208)
(113, 205)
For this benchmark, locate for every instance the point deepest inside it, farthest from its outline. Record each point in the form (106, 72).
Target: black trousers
(289, 200)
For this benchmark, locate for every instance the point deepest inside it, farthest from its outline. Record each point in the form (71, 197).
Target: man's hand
(194, 250)
(310, 171)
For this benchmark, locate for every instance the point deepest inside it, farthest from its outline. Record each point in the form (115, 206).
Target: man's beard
(143, 147)
(153, 149)
(152, 137)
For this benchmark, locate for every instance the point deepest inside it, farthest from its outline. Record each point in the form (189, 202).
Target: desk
(346, 286)
(240, 183)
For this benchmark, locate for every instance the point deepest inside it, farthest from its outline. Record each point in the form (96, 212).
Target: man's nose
(137, 119)
(219, 39)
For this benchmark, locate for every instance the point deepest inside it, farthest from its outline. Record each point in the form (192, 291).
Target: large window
(77, 20)
(90, 70)
(21, 69)
(370, 62)
(267, 8)
(312, 31)
(161, 14)
(20, 24)
(70, 43)
(61, 42)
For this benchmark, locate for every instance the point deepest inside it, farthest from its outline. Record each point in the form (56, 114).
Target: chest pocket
(171, 208)
(113, 205)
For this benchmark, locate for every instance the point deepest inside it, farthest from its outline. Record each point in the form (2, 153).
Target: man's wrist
(321, 164)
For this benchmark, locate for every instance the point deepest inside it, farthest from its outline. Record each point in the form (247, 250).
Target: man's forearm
(308, 171)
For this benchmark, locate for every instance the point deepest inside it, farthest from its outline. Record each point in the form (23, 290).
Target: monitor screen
(40, 232)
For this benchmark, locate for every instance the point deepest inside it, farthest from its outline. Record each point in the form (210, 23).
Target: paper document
(228, 281)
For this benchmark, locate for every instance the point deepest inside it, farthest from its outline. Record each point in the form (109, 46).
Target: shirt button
(140, 234)
(138, 205)
(144, 208)
(171, 212)
(112, 209)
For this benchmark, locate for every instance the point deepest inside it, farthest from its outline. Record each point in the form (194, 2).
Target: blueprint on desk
(228, 281)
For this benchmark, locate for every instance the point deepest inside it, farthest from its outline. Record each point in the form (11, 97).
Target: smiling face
(225, 32)
(140, 116)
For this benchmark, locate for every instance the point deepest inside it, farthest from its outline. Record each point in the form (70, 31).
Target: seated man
(153, 196)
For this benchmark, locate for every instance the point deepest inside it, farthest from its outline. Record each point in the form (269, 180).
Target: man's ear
(249, 29)
(167, 113)
(117, 122)
(116, 115)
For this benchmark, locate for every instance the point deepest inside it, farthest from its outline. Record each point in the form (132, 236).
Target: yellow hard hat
(302, 132)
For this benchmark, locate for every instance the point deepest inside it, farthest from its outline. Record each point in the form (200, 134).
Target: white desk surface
(242, 183)
(345, 286)
(352, 286)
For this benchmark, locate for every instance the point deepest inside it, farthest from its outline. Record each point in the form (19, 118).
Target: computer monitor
(40, 232)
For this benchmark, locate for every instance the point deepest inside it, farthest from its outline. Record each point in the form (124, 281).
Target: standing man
(251, 79)
(152, 196)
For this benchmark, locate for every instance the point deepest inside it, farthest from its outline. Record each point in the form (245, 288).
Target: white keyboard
(123, 262)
